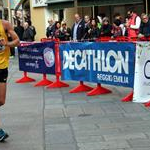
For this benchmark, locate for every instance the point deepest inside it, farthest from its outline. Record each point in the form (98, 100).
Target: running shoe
(3, 135)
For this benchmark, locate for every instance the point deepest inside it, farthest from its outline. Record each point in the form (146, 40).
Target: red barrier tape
(122, 39)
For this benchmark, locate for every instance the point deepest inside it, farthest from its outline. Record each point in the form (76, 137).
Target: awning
(85, 3)
(60, 4)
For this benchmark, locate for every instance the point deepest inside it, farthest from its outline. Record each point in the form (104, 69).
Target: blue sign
(37, 58)
(107, 63)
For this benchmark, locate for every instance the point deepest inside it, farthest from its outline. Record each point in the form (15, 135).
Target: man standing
(87, 27)
(32, 28)
(28, 34)
(19, 30)
(133, 24)
(145, 26)
(5, 28)
(50, 29)
(78, 28)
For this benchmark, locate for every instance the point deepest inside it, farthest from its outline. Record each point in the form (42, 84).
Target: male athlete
(5, 30)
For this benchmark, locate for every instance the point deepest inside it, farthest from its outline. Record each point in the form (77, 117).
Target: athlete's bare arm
(9, 29)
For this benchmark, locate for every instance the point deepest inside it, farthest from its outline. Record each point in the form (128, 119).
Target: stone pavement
(41, 119)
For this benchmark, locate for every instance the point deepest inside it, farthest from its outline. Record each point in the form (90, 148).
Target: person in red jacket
(133, 24)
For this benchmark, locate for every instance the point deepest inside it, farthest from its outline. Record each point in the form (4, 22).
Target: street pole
(93, 9)
(146, 6)
(9, 10)
(76, 5)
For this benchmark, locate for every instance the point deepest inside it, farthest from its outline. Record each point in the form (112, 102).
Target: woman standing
(57, 33)
(94, 31)
(66, 32)
(106, 28)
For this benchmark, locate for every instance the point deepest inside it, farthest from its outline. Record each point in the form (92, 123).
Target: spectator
(133, 24)
(94, 31)
(145, 26)
(116, 29)
(99, 23)
(117, 16)
(78, 28)
(19, 30)
(57, 33)
(66, 32)
(50, 29)
(87, 26)
(33, 29)
(106, 27)
(125, 32)
(28, 34)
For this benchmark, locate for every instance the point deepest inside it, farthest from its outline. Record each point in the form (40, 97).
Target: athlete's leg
(3, 80)
(2, 93)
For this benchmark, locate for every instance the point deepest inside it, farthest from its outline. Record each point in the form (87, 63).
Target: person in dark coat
(66, 31)
(78, 28)
(87, 27)
(116, 29)
(19, 30)
(32, 28)
(94, 31)
(106, 28)
(145, 26)
(50, 29)
(28, 34)
(57, 33)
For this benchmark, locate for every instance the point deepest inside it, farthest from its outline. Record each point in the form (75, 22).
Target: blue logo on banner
(49, 57)
(108, 63)
(37, 58)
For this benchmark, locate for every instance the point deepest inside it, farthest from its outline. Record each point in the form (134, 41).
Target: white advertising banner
(39, 3)
(142, 73)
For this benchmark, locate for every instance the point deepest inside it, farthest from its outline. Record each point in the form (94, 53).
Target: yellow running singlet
(4, 55)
